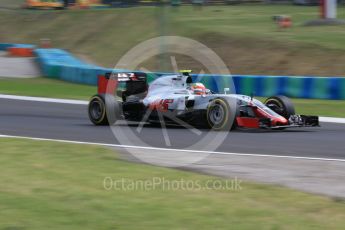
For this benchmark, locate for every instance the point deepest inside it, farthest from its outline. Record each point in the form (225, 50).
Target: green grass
(47, 185)
(244, 36)
(44, 87)
(256, 21)
(245, 20)
(12, 3)
(331, 108)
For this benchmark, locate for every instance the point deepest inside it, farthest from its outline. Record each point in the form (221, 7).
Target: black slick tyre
(281, 105)
(218, 115)
(101, 109)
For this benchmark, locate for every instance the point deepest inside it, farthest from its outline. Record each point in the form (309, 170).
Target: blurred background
(244, 33)
(57, 49)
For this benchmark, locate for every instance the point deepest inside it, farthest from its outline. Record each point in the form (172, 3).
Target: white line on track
(332, 120)
(43, 99)
(80, 102)
(172, 150)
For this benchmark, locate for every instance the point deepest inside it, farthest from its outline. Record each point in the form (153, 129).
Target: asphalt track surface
(70, 122)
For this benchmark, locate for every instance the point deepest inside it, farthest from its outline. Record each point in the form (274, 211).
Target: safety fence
(60, 64)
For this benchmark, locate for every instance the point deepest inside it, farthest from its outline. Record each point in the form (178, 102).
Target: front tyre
(218, 115)
(101, 109)
(281, 105)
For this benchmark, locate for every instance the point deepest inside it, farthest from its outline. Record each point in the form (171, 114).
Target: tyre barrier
(60, 64)
(5, 46)
(18, 50)
(21, 50)
(310, 87)
(292, 86)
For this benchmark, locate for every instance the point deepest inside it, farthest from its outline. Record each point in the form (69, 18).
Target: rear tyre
(281, 105)
(102, 109)
(218, 115)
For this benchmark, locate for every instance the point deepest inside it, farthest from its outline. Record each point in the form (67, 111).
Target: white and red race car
(176, 99)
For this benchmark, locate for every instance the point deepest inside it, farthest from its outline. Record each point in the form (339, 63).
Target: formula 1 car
(176, 99)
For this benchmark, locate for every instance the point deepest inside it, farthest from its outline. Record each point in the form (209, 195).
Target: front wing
(265, 123)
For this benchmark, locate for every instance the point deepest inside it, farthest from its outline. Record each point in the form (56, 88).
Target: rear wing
(134, 83)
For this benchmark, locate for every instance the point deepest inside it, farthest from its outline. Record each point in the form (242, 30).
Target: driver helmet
(198, 88)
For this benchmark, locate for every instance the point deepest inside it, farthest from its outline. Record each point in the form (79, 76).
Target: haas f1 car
(176, 99)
